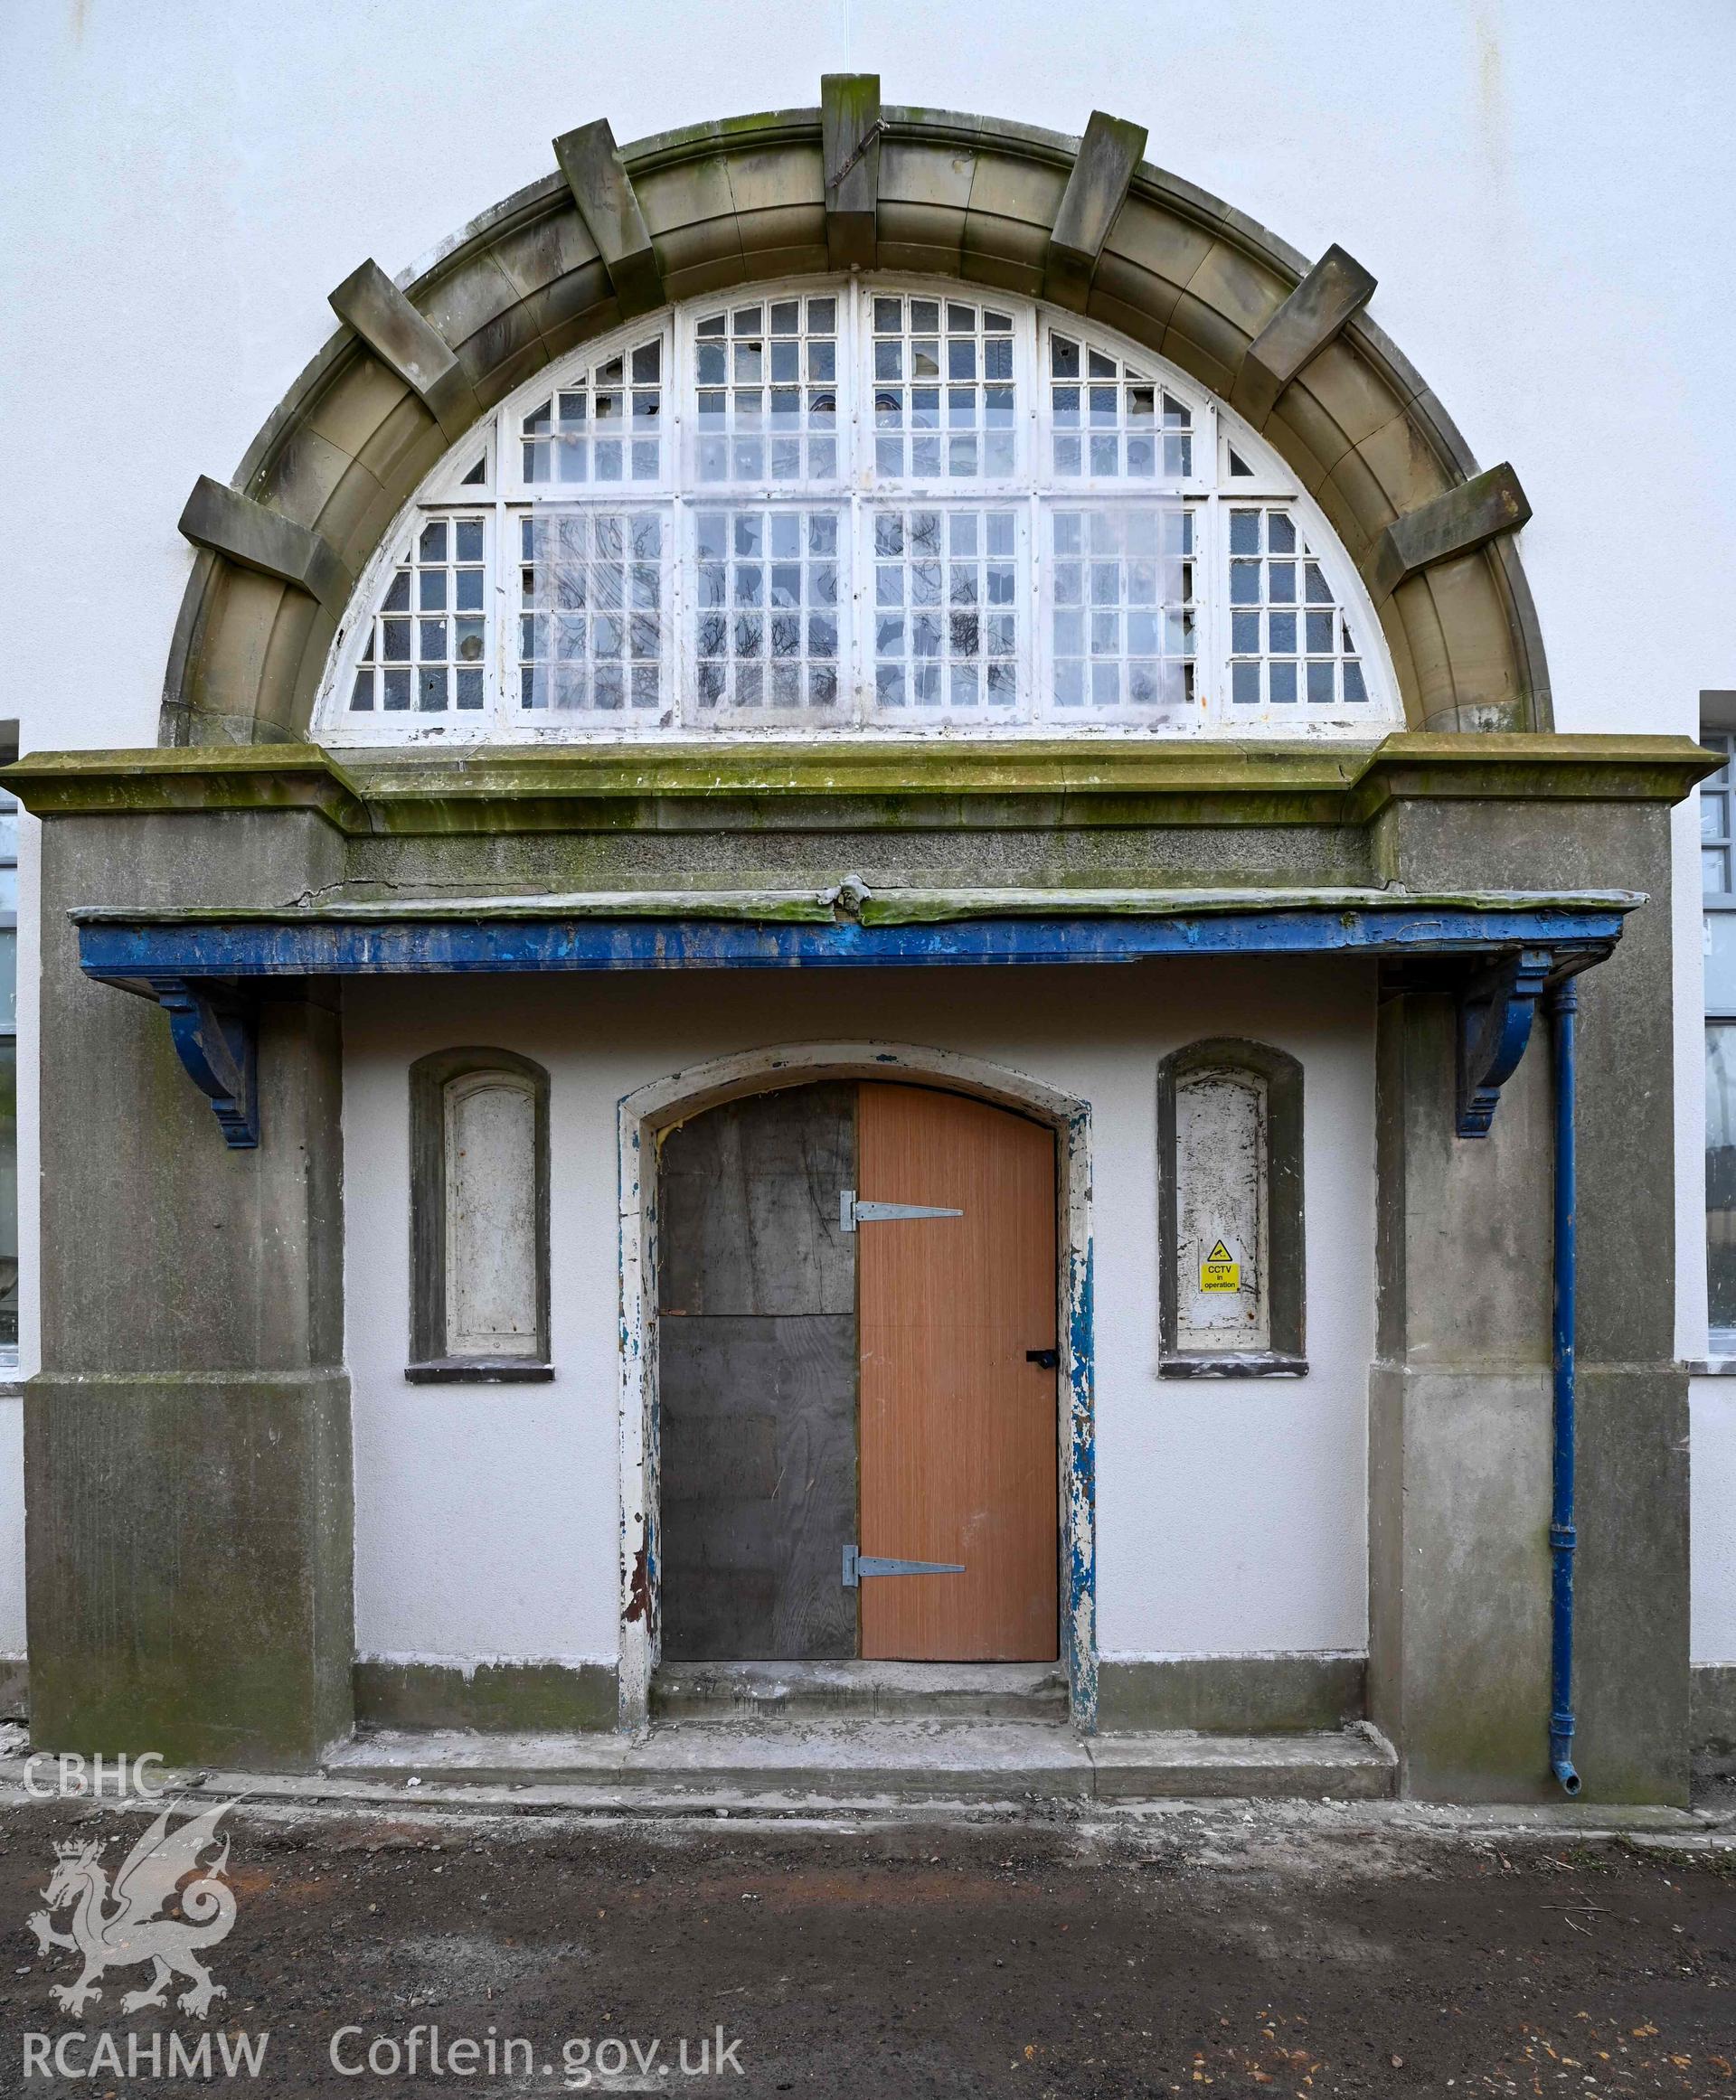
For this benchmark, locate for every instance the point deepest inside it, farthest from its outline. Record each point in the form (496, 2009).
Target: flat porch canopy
(1496, 950)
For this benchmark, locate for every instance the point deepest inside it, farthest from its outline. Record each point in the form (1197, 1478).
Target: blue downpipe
(1563, 1006)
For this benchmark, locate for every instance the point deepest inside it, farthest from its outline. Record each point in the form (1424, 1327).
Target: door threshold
(961, 1691)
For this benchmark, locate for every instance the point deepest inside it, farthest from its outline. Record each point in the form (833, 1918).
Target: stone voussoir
(246, 532)
(1102, 174)
(407, 343)
(1456, 522)
(603, 191)
(1314, 314)
(850, 125)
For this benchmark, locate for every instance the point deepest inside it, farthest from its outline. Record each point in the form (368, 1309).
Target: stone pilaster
(187, 1443)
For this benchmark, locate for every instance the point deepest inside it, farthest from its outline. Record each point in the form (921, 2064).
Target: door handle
(1047, 1358)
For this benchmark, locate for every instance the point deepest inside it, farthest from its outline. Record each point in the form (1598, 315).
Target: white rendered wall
(1537, 186)
(1231, 1513)
(1713, 1517)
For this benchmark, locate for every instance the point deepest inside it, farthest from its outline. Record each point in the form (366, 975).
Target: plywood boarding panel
(749, 1216)
(758, 1379)
(758, 1487)
(958, 1430)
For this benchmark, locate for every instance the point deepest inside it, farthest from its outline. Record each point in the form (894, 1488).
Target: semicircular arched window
(858, 506)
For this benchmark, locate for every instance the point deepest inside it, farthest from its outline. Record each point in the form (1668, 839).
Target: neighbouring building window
(1231, 1292)
(1717, 845)
(479, 1218)
(856, 506)
(8, 1082)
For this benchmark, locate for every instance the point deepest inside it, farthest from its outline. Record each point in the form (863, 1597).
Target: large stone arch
(1085, 223)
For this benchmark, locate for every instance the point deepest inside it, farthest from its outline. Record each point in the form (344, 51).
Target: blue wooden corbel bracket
(1496, 1006)
(216, 1039)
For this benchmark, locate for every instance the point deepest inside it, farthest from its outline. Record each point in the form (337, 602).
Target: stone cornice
(858, 785)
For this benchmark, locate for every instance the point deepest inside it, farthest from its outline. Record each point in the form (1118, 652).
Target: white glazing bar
(785, 402)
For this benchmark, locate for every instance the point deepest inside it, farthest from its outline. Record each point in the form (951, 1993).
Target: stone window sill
(1254, 1363)
(478, 1371)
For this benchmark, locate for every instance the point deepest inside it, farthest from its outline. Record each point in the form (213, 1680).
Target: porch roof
(294, 863)
(844, 925)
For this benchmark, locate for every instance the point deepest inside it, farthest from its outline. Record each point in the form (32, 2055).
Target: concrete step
(1177, 1765)
(836, 1763)
(941, 1691)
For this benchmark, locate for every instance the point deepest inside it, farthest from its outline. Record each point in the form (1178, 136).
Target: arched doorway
(858, 1426)
(646, 1116)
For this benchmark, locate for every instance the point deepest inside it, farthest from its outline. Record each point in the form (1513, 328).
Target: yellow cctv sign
(1219, 1271)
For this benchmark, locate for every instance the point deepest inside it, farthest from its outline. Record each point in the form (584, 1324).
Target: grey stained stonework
(1460, 1396)
(1236, 1695)
(188, 1522)
(746, 201)
(504, 1697)
(1713, 1702)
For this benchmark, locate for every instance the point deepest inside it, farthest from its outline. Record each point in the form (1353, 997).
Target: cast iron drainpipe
(1563, 1007)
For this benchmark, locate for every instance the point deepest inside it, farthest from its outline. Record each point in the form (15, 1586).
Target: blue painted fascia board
(137, 953)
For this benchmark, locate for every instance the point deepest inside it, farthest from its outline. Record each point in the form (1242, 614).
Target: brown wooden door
(958, 1430)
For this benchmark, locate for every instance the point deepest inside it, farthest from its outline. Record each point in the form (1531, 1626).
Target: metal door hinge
(1047, 1358)
(857, 1564)
(852, 1213)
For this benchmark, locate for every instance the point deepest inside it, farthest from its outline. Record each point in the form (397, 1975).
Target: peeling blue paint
(139, 954)
(1081, 1527)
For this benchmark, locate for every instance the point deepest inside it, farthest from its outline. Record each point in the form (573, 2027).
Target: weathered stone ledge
(497, 788)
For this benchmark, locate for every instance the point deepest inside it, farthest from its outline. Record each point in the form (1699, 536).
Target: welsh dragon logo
(118, 1926)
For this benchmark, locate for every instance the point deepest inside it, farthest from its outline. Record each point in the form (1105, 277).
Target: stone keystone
(850, 130)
